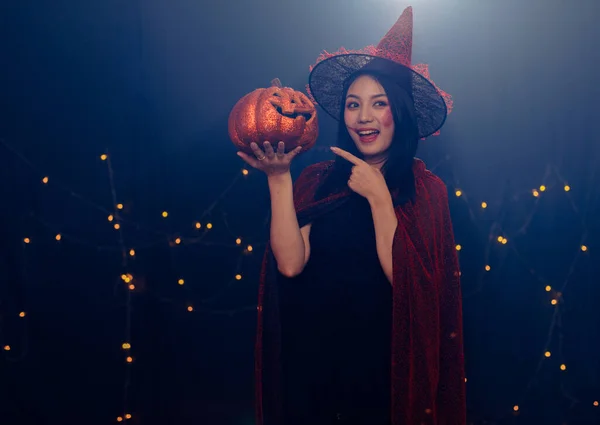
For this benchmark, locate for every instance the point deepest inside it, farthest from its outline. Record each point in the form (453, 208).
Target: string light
(126, 278)
(244, 171)
(458, 247)
(458, 193)
(181, 281)
(238, 241)
(548, 288)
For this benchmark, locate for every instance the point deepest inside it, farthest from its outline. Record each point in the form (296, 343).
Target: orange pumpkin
(274, 114)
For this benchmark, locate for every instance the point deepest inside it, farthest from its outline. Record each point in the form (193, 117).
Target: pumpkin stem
(276, 83)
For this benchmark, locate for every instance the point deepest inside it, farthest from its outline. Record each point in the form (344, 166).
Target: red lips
(370, 138)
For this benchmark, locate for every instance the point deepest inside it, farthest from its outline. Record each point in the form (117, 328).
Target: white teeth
(366, 133)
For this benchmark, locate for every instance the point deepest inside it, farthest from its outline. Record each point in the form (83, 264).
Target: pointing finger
(347, 156)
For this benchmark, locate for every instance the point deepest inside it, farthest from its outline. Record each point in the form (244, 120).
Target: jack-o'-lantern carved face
(274, 114)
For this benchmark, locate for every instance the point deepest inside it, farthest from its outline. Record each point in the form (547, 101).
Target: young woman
(360, 307)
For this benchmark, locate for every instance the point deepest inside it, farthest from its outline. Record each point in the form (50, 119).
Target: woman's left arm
(386, 222)
(369, 182)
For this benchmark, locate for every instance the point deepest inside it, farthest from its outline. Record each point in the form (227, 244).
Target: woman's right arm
(290, 244)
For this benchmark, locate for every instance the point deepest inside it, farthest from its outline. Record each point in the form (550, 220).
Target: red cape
(428, 378)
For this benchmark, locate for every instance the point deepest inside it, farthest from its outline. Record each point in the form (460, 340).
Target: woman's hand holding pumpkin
(271, 162)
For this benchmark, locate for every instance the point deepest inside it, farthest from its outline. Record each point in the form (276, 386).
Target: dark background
(152, 83)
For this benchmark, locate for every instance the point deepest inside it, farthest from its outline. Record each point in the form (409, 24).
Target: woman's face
(369, 119)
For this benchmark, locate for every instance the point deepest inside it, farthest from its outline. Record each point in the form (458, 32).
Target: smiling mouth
(366, 133)
(307, 116)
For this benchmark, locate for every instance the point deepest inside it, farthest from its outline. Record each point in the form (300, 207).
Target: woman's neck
(376, 161)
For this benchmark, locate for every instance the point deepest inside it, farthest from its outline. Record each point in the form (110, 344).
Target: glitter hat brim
(327, 79)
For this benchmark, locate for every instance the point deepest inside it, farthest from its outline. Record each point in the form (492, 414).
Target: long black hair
(399, 162)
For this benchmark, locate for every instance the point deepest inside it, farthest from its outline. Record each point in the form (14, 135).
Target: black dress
(336, 326)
